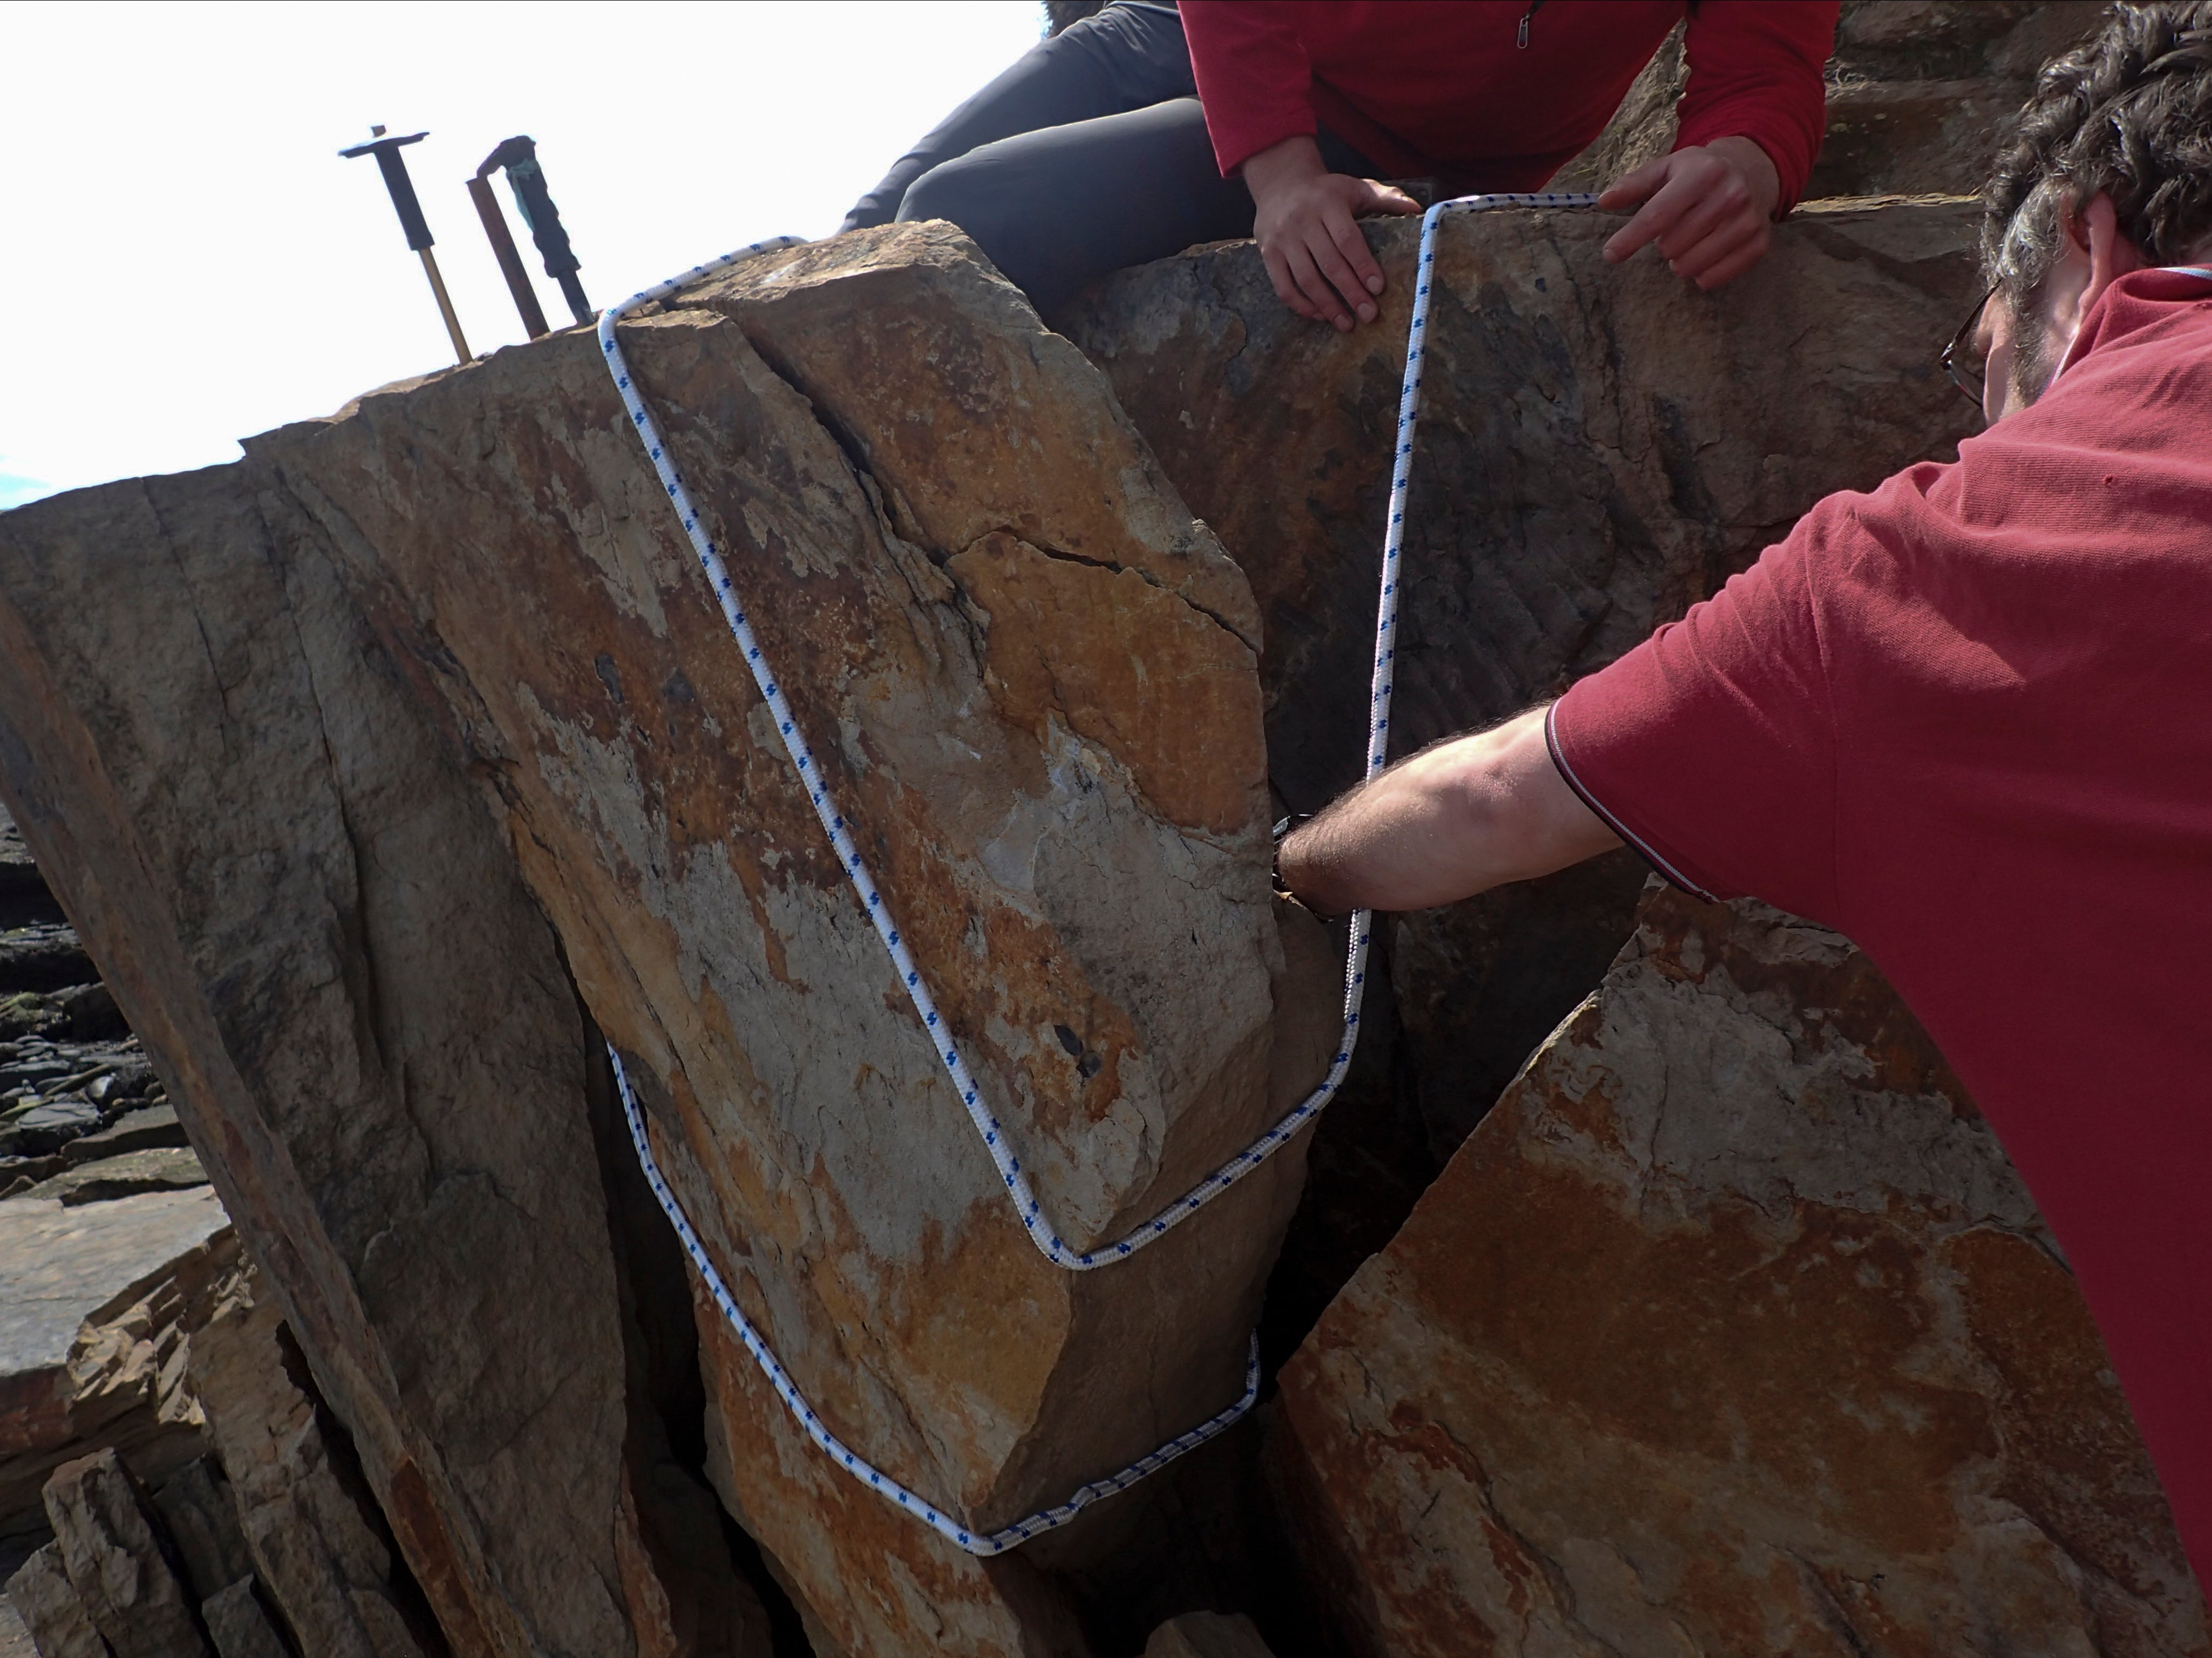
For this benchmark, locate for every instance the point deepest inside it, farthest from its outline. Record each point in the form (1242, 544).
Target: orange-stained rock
(1029, 678)
(1730, 1330)
(1083, 881)
(1599, 447)
(362, 1019)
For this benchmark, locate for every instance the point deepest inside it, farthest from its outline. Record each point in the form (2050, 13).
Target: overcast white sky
(184, 258)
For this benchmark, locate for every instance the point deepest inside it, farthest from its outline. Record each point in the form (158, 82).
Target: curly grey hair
(2128, 113)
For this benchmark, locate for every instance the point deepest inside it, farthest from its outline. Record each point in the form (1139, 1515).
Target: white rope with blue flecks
(1018, 1185)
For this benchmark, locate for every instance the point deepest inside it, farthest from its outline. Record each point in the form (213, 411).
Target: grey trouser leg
(1089, 154)
(1128, 56)
(1058, 209)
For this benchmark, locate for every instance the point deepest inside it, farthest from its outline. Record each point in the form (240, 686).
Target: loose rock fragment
(1730, 1329)
(54, 1617)
(1208, 1635)
(239, 1626)
(105, 1531)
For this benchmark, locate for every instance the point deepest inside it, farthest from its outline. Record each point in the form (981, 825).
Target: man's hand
(1304, 219)
(1710, 209)
(1452, 820)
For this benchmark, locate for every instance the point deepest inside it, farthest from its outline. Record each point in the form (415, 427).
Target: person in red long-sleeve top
(1497, 96)
(1095, 151)
(1959, 717)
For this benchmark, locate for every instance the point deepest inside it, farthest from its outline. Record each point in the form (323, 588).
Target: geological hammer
(527, 179)
(393, 166)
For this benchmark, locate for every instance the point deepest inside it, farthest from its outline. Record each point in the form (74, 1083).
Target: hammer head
(393, 166)
(509, 152)
(379, 146)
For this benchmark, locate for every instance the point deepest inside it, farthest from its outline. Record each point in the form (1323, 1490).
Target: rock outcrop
(429, 769)
(1731, 1329)
(1030, 676)
(267, 1543)
(317, 1542)
(104, 1528)
(1917, 90)
(1599, 448)
(52, 1617)
(94, 1303)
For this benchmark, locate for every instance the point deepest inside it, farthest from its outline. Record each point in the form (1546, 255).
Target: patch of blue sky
(18, 491)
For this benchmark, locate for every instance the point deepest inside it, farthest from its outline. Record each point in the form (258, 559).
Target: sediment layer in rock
(1730, 1330)
(1030, 680)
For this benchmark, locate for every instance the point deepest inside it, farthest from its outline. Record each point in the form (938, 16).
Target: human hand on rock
(1709, 209)
(1304, 219)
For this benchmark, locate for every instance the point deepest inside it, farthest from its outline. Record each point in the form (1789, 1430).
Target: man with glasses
(1965, 719)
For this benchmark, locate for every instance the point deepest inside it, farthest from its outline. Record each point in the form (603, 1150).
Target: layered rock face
(94, 1310)
(1918, 88)
(265, 1546)
(1729, 1330)
(384, 773)
(365, 1024)
(1030, 678)
(1599, 448)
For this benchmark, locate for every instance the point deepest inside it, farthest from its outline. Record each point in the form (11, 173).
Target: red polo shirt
(1966, 719)
(1500, 95)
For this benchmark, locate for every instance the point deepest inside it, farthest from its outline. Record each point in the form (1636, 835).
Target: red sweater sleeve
(1254, 79)
(1755, 72)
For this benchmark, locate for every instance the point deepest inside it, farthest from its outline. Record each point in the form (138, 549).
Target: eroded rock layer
(1029, 678)
(1730, 1330)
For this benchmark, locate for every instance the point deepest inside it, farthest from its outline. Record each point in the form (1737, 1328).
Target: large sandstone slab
(1029, 678)
(362, 1017)
(92, 1305)
(1599, 447)
(1730, 1330)
(426, 708)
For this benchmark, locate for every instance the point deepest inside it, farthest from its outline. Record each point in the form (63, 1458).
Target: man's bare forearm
(1452, 820)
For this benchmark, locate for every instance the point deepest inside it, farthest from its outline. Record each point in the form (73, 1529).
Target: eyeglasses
(1966, 370)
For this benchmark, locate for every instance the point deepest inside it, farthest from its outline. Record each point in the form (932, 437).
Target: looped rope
(1019, 1191)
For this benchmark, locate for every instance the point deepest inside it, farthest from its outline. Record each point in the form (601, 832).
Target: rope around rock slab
(1023, 1195)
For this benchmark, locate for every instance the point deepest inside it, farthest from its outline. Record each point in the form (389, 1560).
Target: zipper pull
(1521, 39)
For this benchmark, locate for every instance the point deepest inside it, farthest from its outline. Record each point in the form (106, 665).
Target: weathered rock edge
(472, 586)
(1731, 1329)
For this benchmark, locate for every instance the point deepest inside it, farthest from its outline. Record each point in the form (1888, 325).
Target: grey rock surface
(15, 1639)
(159, 1168)
(51, 1618)
(145, 1129)
(200, 1511)
(1208, 1635)
(58, 1266)
(239, 1626)
(43, 956)
(319, 1543)
(96, 1307)
(105, 1532)
(47, 1126)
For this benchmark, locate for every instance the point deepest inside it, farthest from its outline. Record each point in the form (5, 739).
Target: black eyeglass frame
(1972, 384)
